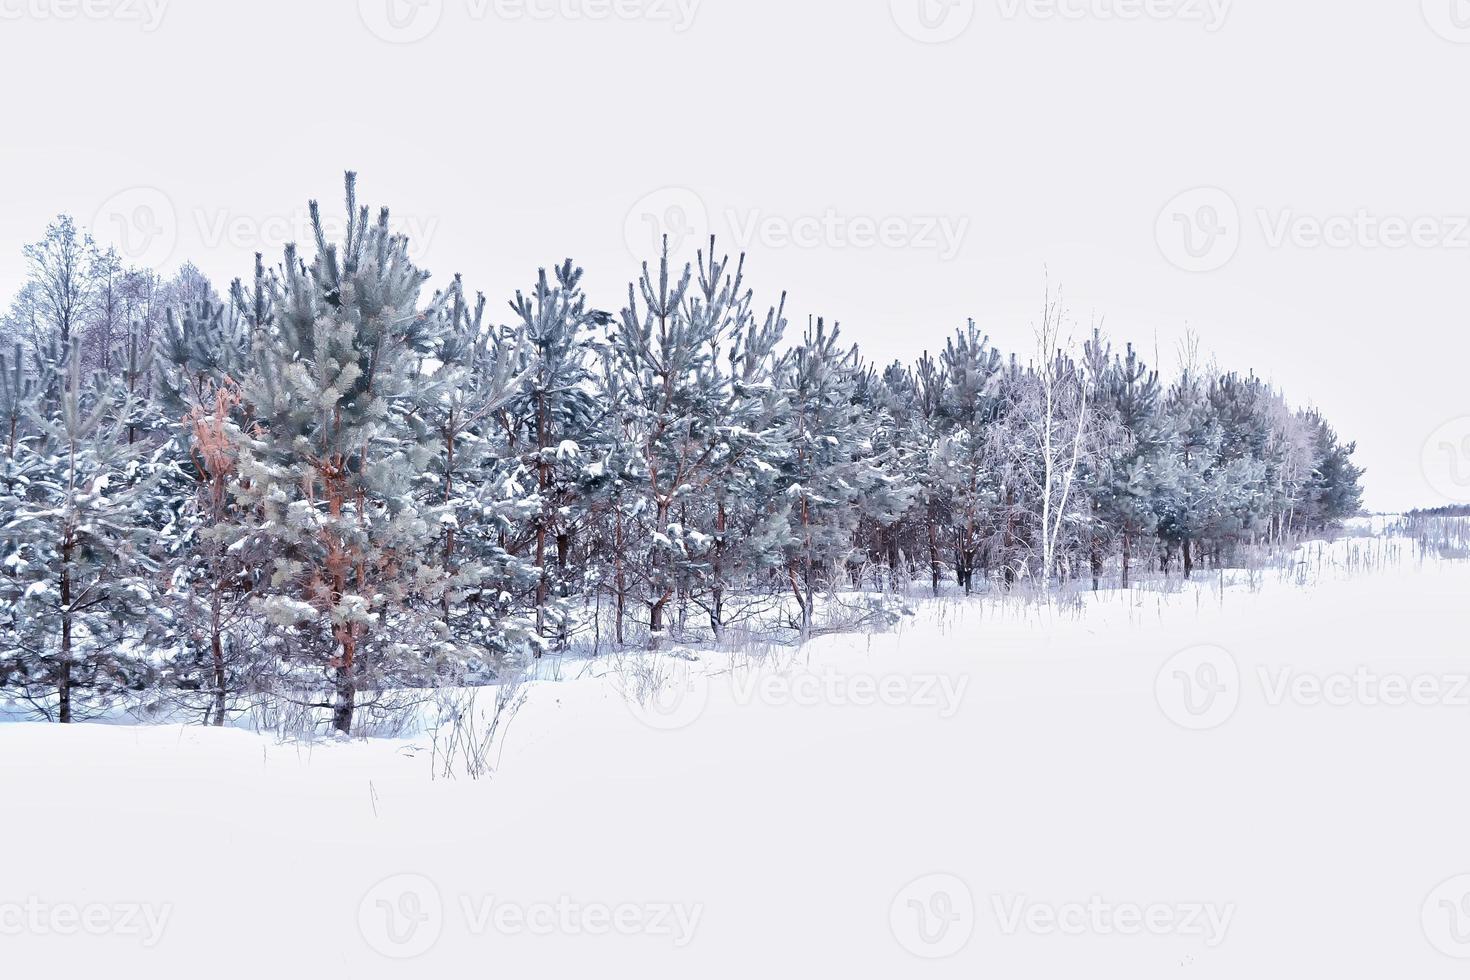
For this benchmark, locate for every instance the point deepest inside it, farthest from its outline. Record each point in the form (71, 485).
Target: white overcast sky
(1056, 136)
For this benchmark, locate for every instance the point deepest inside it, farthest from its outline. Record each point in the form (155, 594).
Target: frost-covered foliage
(333, 476)
(77, 578)
(327, 488)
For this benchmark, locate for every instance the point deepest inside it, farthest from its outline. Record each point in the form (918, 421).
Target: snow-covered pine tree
(1292, 460)
(205, 622)
(897, 435)
(1334, 493)
(664, 392)
(613, 484)
(1125, 494)
(483, 488)
(1190, 482)
(745, 516)
(1249, 456)
(17, 392)
(971, 401)
(338, 463)
(922, 392)
(834, 476)
(77, 585)
(552, 418)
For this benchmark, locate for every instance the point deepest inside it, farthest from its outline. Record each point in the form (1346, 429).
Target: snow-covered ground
(1255, 775)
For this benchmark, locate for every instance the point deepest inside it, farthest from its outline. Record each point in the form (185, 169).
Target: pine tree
(748, 519)
(553, 417)
(77, 583)
(970, 404)
(1191, 485)
(1126, 491)
(1334, 492)
(663, 350)
(834, 476)
(482, 488)
(17, 392)
(336, 460)
(205, 621)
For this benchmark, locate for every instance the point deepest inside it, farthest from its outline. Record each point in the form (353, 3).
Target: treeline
(326, 487)
(1449, 510)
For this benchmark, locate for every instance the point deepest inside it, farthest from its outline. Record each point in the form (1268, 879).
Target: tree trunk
(619, 581)
(656, 610)
(543, 479)
(63, 681)
(346, 702)
(1008, 543)
(894, 555)
(563, 552)
(217, 652)
(656, 617)
(449, 530)
(934, 570)
(717, 603)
